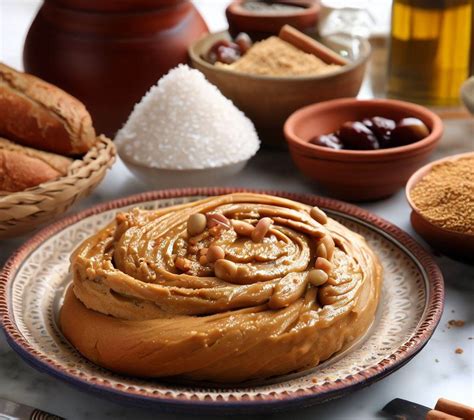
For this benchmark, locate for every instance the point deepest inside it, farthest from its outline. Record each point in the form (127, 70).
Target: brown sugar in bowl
(269, 100)
(358, 175)
(457, 245)
(262, 24)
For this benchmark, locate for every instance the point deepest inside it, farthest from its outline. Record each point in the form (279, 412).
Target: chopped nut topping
(182, 264)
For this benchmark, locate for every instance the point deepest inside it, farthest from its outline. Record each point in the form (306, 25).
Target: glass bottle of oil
(431, 43)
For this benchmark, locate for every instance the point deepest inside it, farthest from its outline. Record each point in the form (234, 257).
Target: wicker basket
(23, 211)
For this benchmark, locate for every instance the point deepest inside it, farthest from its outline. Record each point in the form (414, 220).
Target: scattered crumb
(443, 330)
(456, 323)
(469, 338)
(436, 360)
(459, 350)
(453, 311)
(314, 380)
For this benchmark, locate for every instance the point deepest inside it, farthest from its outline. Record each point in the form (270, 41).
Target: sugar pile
(184, 122)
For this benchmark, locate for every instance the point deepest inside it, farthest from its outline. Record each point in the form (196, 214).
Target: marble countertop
(436, 371)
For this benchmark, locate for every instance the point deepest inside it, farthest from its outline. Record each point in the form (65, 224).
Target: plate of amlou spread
(34, 281)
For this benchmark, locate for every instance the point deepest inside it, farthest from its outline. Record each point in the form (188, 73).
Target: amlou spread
(224, 289)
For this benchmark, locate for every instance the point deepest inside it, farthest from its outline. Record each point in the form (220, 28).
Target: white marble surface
(436, 371)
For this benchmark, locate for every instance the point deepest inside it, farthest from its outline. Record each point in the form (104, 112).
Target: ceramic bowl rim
(126, 162)
(196, 58)
(308, 8)
(428, 322)
(417, 176)
(294, 141)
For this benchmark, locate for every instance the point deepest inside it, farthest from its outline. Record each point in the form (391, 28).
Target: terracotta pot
(108, 53)
(454, 244)
(356, 175)
(262, 25)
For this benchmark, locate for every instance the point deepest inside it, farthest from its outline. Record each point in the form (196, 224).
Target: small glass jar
(430, 50)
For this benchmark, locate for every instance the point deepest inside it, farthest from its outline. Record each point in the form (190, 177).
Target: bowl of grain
(441, 195)
(185, 133)
(275, 78)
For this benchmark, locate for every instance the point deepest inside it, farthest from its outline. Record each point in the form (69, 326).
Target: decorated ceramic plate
(33, 282)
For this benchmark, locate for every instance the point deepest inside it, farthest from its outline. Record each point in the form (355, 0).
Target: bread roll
(37, 114)
(59, 163)
(22, 167)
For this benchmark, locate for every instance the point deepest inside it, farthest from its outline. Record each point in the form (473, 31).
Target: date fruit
(228, 55)
(228, 52)
(211, 55)
(327, 140)
(382, 128)
(409, 130)
(244, 42)
(357, 136)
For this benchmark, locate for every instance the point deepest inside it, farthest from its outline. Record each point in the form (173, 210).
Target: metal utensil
(444, 410)
(10, 410)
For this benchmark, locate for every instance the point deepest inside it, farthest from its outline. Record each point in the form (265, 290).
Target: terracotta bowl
(261, 25)
(454, 244)
(269, 100)
(355, 175)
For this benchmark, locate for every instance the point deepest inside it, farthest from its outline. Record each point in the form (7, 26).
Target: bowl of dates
(361, 150)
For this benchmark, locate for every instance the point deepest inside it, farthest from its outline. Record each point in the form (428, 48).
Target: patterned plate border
(273, 401)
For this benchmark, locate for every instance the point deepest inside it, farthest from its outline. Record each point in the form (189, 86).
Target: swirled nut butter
(225, 289)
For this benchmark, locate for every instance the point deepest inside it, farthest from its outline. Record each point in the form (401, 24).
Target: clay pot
(454, 244)
(108, 53)
(260, 25)
(358, 175)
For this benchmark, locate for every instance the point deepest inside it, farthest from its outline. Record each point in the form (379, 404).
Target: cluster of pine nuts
(197, 223)
(224, 269)
(324, 252)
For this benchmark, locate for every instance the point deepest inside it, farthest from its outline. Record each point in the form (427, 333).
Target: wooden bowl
(356, 175)
(262, 25)
(454, 244)
(269, 100)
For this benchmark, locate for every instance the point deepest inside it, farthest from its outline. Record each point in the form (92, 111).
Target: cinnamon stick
(440, 415)
(310, 46)
(455, 408)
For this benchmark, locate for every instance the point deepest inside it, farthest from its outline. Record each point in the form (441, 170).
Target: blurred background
(16, 17)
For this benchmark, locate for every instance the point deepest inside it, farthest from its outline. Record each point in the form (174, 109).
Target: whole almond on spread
(242, 228)
(329, 245)
(225, 269)
(214, 253)
(182, 264)
(196, 224)
(321, 251)
(317, 277)
(218, 219)
(261, 229)
(323, 264)
(317, 214)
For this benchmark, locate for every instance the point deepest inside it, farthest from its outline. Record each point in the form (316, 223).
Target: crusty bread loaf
(37, 114)
(22, 167)
(59, 163)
